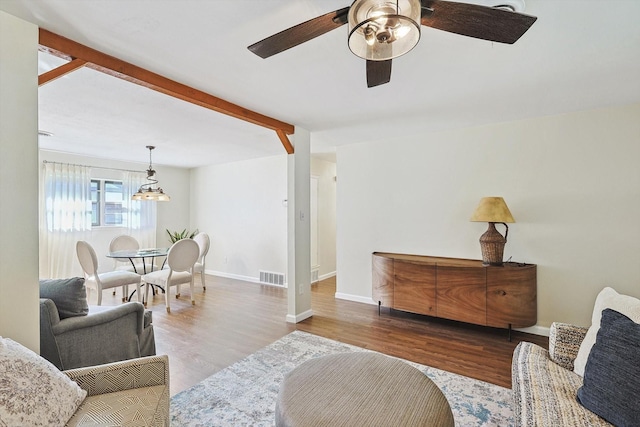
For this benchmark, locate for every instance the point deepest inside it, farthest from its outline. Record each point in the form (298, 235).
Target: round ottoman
(360, 389)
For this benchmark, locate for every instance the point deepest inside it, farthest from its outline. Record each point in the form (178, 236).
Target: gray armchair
(104, 335)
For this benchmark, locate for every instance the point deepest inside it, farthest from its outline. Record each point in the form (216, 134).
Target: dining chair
(202, 239)
(111, 279)
(125, 242)
(180, 261)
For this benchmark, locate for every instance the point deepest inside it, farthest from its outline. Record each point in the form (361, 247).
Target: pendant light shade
(381, 30)
(150, 190)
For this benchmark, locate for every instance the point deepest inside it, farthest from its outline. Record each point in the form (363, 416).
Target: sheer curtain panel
(65, 217)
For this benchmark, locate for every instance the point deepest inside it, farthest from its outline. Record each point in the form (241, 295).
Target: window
(107, 207)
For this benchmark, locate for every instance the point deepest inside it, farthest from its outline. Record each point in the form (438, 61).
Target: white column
(19, 290)
(299, 231)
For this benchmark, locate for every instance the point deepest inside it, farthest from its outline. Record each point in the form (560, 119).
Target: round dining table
(144, 254)
(147, 256)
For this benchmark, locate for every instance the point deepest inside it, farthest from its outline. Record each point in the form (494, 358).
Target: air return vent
(271, 278)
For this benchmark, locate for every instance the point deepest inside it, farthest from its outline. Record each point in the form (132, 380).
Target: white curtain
(65, 217)
(141, 214)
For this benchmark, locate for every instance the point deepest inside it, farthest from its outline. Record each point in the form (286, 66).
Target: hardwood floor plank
(233, 319)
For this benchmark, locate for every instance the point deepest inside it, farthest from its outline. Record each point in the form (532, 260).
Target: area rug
(244, 394)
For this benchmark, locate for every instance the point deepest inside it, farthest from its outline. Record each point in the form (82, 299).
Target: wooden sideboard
(457, 289)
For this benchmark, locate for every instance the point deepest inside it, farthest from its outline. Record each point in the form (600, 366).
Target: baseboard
(299, 317)
(326, 276)
(240, 277)
(256, 279)
(355, 298)
(535, 330)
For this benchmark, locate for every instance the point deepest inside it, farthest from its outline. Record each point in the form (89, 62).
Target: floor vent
(314, 275)
(272, 278)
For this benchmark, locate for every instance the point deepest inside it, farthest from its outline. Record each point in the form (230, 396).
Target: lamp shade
(381, 29)
(492, 209)
(152, 194)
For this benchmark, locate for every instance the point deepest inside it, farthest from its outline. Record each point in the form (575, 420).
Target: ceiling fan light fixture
(381, 30)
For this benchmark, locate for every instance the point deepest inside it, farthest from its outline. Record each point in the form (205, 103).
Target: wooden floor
(233, 319)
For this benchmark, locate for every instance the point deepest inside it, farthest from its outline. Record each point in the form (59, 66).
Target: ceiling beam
(60, 71)
(66, 48)
(285, 141)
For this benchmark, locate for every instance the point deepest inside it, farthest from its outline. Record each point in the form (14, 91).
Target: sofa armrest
(49, 318)
(101, 315)
(118, 376)
(564, 343)
(105, 335)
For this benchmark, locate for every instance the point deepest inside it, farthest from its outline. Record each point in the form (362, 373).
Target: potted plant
(179, 235)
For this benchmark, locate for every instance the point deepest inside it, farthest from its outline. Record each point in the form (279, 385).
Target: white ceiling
(580, 54)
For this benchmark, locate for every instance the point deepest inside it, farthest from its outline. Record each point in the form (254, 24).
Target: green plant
(184, 234)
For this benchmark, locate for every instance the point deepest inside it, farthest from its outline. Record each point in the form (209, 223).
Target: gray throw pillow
(69, 295)
(611, 386)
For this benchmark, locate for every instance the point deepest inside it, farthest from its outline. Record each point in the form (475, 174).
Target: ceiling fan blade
(300, 33)
(378, 72)
(481, 22)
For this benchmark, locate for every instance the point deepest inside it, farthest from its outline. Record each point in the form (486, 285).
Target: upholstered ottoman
(360, 389)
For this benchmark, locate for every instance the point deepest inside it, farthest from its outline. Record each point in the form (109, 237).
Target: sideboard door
(383, 280)
(461, 294)
(415, 287)
(512, 296)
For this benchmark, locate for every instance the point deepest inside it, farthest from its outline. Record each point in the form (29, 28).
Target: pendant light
(148, 191)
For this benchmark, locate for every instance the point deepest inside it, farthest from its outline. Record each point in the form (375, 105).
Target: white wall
(172, 215)
(240, 205)
(19, 310)
(571, 181)
(326, 173)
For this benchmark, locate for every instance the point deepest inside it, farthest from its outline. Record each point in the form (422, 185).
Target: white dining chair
(111, 279)
(125, 242)
(202, 239)
(180, 261)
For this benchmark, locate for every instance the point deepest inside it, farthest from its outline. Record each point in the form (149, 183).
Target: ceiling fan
(380, 30)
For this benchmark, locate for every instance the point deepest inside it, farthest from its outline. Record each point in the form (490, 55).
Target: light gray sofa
(544, 384)
(105, 334)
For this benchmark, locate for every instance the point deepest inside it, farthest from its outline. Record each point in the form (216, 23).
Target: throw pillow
(611, 385)
(69, 295)
(607, 298)
(33, 392)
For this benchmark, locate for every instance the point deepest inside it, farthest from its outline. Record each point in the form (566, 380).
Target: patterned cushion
(545, 393)
(607, 298)
(33, 392)
(612, 376)
(564, 343)
(134, 407)
(126, 380)
(69, 296)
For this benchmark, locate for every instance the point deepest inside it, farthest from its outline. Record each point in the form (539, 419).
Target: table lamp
(492, 210)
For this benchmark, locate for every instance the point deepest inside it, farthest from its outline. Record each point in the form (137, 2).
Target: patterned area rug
(244, 394)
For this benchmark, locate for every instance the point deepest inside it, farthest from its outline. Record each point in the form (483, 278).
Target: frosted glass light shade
(381, 30)
(152, 194)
